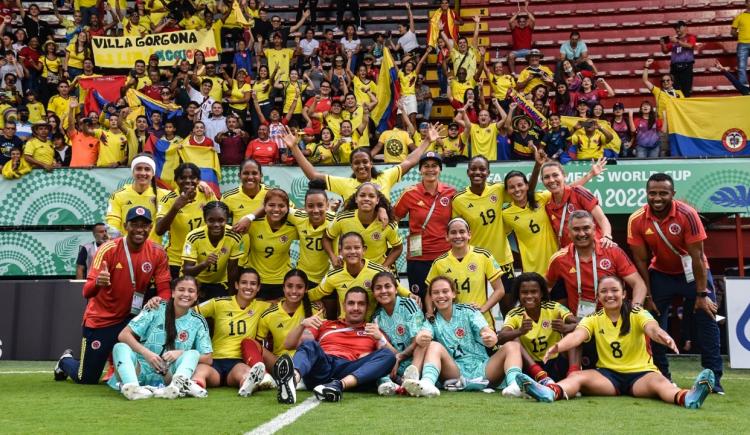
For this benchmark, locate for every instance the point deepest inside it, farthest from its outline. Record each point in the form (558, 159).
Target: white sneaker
(387, 388)
(134, 391)
(193, 390)
(174, 389)
(411, 372)
(513, 390)
(253, 377)
(267, 383)
(421, 388)
(455, 384)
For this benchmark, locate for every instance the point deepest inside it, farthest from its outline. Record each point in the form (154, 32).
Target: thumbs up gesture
(102, 280)
(526, 324)
(372, 330)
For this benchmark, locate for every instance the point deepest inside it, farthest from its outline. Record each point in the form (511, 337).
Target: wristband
(250, 216)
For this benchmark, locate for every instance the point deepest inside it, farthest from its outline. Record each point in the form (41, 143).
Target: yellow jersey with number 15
(542, 336)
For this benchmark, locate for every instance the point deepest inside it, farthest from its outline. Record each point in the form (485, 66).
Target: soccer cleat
(388, 388)
(718, 389)
(513, 390)
(252, 379)
(535, 389)
(330, 392)
(702, 387)
(411, 372)
(59, 373)
(267, 383)
(192, 389)
(283, 375)
(455, 384)
(174, 389)
(134, 391)
(422, 388)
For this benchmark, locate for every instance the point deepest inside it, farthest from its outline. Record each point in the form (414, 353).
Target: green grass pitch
(33, 403)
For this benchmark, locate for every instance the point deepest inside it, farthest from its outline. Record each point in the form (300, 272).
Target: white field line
(286, 418)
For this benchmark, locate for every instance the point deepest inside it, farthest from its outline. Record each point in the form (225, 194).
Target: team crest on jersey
(183, 336)
(223, 250)
(546, 324)
(361, 333)
(675, 229)
(605, 264)
(571, 208)
(96, 344)
(493, 198)
(460, 332)
(367, 283)
(146, 267)
(376, 235)
(472, 267)
(250, 313)
(400, 330)
(283, 239)
(444, 201)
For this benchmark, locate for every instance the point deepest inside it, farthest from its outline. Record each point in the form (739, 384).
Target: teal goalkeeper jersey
(192, 331)
(460, 336)
(403, 325)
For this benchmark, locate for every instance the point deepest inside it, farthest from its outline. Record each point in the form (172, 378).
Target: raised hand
(103, 279)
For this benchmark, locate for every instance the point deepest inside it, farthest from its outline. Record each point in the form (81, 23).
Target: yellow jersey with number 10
(232, 324)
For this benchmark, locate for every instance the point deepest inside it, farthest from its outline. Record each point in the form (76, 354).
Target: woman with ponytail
(142, 192)
(163, 346)
(625, 365)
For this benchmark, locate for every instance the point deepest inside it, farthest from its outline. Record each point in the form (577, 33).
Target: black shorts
(271, 292)
(623, 382)
(208, 291)
(556, 368)
(224, 366)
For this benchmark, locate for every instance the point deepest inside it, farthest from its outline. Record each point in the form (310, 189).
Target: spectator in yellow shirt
(38, 151)
(60, 103)
(741, 31)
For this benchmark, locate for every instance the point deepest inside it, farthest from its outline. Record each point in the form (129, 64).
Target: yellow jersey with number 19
(630, 353)
(483, 213)
(278, 323)
(470, 274)
(232, 324)
(268, 250)
(188, 218)
(534, 232)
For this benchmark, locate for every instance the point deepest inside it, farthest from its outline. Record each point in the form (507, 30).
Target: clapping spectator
(646, 127)
(591, 94)
(682, 57)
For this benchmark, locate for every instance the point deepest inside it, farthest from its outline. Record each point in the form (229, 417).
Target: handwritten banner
(123, 51)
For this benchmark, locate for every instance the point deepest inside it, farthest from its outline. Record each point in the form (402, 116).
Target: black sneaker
(718, 389)
(330, 392)
(283, 374)
(59, 373)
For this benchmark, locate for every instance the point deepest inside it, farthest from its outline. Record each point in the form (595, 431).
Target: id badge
(415, 245)
(687, 266)
(585, 308)
(137, 304)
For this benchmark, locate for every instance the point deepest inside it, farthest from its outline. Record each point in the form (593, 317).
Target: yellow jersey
(470, 274)
(268, 250)
(36, 112)
(356, 117)
(662, 98)
(408, 83)
(61, 107)
(334, 123)
(217, 87)
(396, 145)
(292, 91)
(313, 259)
(125, 198)
(320, 154)
(627, 354)
(262, 89)
(499, 85)
(278, 62)
(242, 205)
(542, 336)
(188, 218)
(340, 281)
(588, 147)
(535, 80)
(742, 24)
(232, 324)
(362, 89)
(42, 151)
(198, 247)
(536, 237)
(458, 89)
(278, 323)
(113, 148)
(377, 239)
(347, 186)
(483, 213)
(484, 140)
(237, 93)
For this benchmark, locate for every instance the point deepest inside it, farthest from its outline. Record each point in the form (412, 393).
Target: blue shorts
(556, 368)
(224, 366)
(623, 382)
(522, 53)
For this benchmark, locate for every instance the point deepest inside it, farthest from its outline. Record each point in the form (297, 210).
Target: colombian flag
(169, 157)
(107, 89)
(388, 91)
(528, 108)
(700, 127)
(439, 21)
(136, 99)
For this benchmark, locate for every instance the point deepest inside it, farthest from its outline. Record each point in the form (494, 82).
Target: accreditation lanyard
(562, 226)
(586, 307)
(137, 303)
(685, 259)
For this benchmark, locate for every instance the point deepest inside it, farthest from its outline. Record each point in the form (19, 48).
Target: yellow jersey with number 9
(268, 250)
(483, 214)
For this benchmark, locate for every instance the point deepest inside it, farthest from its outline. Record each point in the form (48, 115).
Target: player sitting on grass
(163, 345)
(538, 324)
(399, 319)
(460, 356)
(625, 365)
(336, 355)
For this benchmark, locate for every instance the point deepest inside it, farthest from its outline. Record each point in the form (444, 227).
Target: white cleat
(253, 378)
(135, 392)
(513, 391)
(267, 383)
(193, 390)
(175, 388)
(422, 388)
(388, 388)
(411, 372)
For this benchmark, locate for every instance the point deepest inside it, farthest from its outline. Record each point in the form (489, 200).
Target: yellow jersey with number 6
(536, 237)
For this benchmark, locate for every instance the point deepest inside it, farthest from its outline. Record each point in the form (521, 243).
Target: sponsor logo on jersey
(146, 267)
(675, 229)
(605, 264)
(183, 336)
(460, 332)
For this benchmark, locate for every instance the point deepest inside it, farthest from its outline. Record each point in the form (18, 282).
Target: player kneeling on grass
(336, 355)
(538, 324)
(458, 354)
(163, 346)
(625, 365)
(399, 319)
(236, 321)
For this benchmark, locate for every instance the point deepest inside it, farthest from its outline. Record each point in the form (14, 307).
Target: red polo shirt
(574, 198)
(681, 227)
(265, 152)
(416, 202)
(324, 105)
(610, 262)
(344, 341)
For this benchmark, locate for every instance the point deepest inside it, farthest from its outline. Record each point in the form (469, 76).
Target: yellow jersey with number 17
(232, 324)
(188, 218)
(268, 250)
(534, 232)
(630, 353)
(483, 213)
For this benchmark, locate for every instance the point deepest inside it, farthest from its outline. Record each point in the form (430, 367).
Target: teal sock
(124, 359)
(186, 363)
(431, 373)
(511, 373)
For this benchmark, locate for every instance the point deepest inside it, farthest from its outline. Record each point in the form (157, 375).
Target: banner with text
(123, 51)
